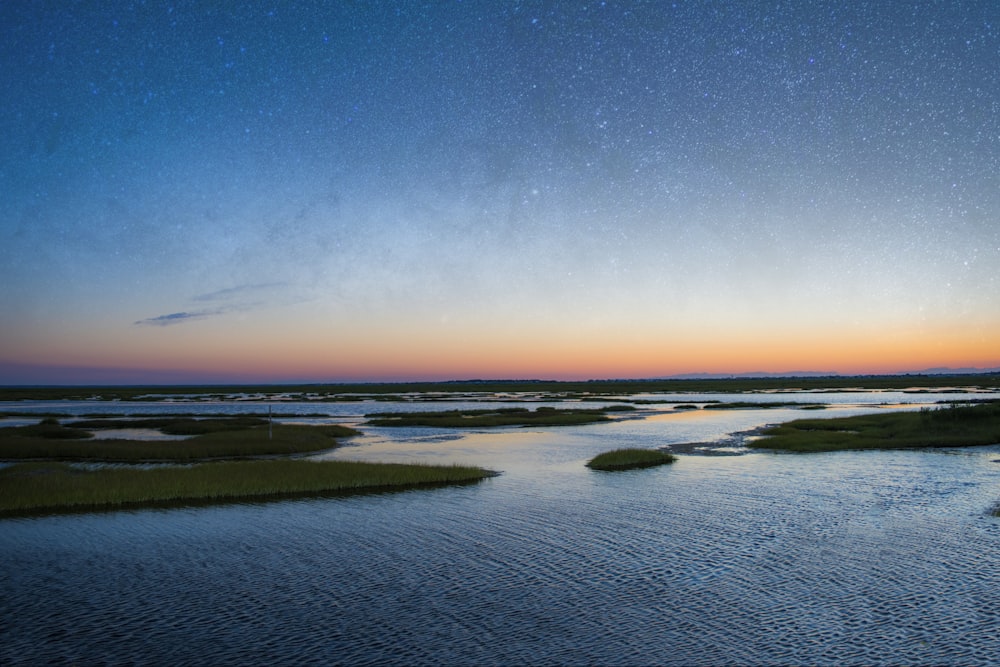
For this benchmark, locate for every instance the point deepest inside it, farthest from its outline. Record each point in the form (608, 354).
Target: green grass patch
(964, 426)
(55, 487)
(628, 459)
(174, 425)
(50, 484)
(38, 442)
(48, 429)
(543, 416)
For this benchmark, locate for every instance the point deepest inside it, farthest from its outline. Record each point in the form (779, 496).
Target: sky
(368, 191)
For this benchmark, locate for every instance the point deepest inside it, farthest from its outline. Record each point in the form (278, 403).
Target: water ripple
(850, 558)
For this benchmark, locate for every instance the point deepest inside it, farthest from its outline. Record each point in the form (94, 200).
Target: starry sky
(341, 191)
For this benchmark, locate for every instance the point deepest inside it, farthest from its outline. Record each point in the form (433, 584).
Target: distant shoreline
(563, 389)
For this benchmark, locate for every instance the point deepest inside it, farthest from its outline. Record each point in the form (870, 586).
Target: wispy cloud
(179, 318)
(230, 299)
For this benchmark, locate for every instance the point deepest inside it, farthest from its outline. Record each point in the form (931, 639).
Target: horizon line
(683, 377)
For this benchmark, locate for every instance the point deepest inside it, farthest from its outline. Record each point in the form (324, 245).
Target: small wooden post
(269, 420)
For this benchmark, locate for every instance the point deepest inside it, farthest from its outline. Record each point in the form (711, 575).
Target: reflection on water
(841, 558)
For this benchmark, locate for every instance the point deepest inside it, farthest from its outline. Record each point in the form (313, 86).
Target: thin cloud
(179, 318)
(231, 299)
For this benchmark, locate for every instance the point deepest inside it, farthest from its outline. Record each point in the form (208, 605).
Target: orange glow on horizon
(440, 353)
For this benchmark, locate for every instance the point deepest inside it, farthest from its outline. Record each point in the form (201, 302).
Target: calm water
(843, 558)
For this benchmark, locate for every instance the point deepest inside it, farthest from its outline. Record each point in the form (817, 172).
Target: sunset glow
(350, 192)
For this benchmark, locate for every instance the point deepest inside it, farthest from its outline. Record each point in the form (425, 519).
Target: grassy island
(543, 416)
(628, 459)
(237, 437)
(194, 471)
(56, 487)
(956, 426)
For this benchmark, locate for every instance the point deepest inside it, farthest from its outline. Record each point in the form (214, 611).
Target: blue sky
(350, 191)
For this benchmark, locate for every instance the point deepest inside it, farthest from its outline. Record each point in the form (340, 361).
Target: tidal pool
(840, 558)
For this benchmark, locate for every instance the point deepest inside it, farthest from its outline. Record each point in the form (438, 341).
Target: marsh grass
(55, 486)
(49, 429)
(628, 459)
(174, 425)
(957, 426)
(28, 442)
(543, 416)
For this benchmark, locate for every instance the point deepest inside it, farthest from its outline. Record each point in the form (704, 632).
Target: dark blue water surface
(841, 558)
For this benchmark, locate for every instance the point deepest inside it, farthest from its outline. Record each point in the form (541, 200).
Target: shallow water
(841, 558)
(135, 434)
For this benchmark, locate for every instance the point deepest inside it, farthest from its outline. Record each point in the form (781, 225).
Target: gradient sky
(400, 190)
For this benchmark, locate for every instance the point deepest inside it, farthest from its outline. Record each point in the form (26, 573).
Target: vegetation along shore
(204, 467)
(398, 391)
(233, 437)
(543, 416)
(955, 426)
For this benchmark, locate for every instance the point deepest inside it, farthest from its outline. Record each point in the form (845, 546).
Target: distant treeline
(561, 388)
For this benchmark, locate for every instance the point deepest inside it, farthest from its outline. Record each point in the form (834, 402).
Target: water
(840, 558)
